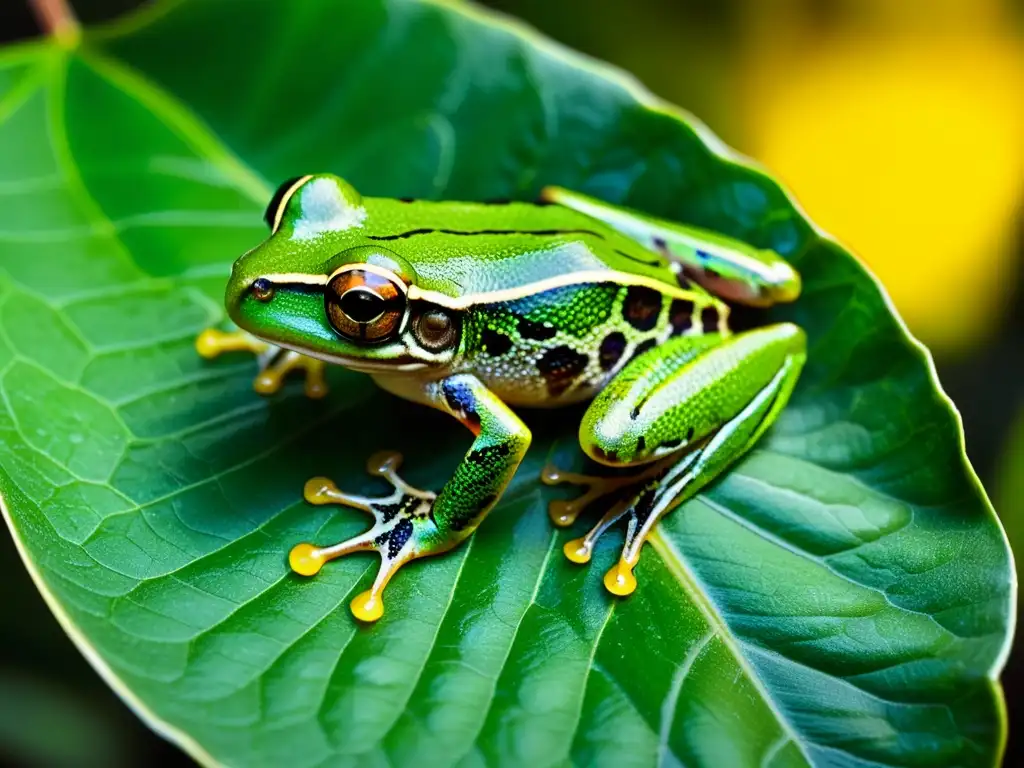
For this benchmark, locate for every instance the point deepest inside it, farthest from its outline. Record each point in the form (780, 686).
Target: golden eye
(364, 306)
(435, 330)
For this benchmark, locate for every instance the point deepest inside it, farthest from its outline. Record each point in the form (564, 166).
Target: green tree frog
(477, 308)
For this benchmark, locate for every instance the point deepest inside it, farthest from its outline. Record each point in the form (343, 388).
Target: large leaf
(843, 597)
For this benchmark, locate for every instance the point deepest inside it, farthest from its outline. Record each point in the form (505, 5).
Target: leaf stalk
(57, 20)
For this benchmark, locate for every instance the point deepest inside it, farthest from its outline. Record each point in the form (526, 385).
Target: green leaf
(1009, 490)
(843, 597)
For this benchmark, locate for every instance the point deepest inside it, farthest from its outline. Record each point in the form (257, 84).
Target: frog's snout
(242, 287)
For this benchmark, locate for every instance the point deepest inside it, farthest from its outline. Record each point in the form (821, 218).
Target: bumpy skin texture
(472, 307)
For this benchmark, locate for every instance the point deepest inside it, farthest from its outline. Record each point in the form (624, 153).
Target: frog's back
(470, 249)
(564, 344)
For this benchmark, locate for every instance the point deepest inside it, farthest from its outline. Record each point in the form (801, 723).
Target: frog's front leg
(410, 523)
(275, 362)
(703, 402)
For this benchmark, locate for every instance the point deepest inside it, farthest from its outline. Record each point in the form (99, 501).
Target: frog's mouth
(399, 364)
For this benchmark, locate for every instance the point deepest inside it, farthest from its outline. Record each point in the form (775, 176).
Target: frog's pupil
(362, 306)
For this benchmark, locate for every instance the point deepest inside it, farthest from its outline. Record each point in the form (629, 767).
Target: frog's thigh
(682, 393)
(711, 408)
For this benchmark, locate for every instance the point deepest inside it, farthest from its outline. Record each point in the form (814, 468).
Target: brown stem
(55, 18)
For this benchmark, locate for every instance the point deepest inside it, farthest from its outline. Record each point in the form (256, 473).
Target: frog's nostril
(262, 289)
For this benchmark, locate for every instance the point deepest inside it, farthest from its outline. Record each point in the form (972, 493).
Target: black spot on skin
(689, 434)
(275, 202)
(495, 344)
(672, 443)
(407, 199)
(660, 244)
(611, 350)
(703, 255)
(644, 505)
(536, 331)
(683, 283)
(641, 444)
(635, 412)
(643, 346)
(560, 366)
(680, 314)
(399, 535)
(388, 511)
(488, 454)
(460, 400)
(709, 319)
(382, 539)
(641, 307)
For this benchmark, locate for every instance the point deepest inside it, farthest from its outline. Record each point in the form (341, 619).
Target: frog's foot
(641, 506)
(403, 530)
(637, 510)
(275, 363)
(564, 513)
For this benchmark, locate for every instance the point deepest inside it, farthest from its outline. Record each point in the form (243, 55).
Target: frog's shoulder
(467, 251)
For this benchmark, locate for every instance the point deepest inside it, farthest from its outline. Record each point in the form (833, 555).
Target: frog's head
(320, 286)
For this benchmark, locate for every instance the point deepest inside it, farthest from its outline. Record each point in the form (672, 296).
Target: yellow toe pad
(305, 559)
(367, 607)
(619, 580)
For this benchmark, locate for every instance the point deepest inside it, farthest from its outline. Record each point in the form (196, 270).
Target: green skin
(472, 307)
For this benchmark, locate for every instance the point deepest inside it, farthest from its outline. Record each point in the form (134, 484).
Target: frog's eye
(365, 304)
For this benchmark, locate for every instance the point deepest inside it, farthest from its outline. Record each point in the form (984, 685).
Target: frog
(482, 309)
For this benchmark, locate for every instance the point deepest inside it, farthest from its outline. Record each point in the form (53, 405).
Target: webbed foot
(275, 363)
(403, 530)
(635, 506)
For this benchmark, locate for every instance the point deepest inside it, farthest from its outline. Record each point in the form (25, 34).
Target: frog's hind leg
(401, 520)
(275, 362)
(706, 409)
(729, 268)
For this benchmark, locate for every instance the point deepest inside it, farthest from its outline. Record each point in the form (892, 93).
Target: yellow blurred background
(898, 124)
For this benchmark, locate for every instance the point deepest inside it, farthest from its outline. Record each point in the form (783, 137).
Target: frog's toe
(283, 362)
(564, 513)
(275, 363)
(403, 530)
(214, 342)
(640, 509)
(400, 533)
